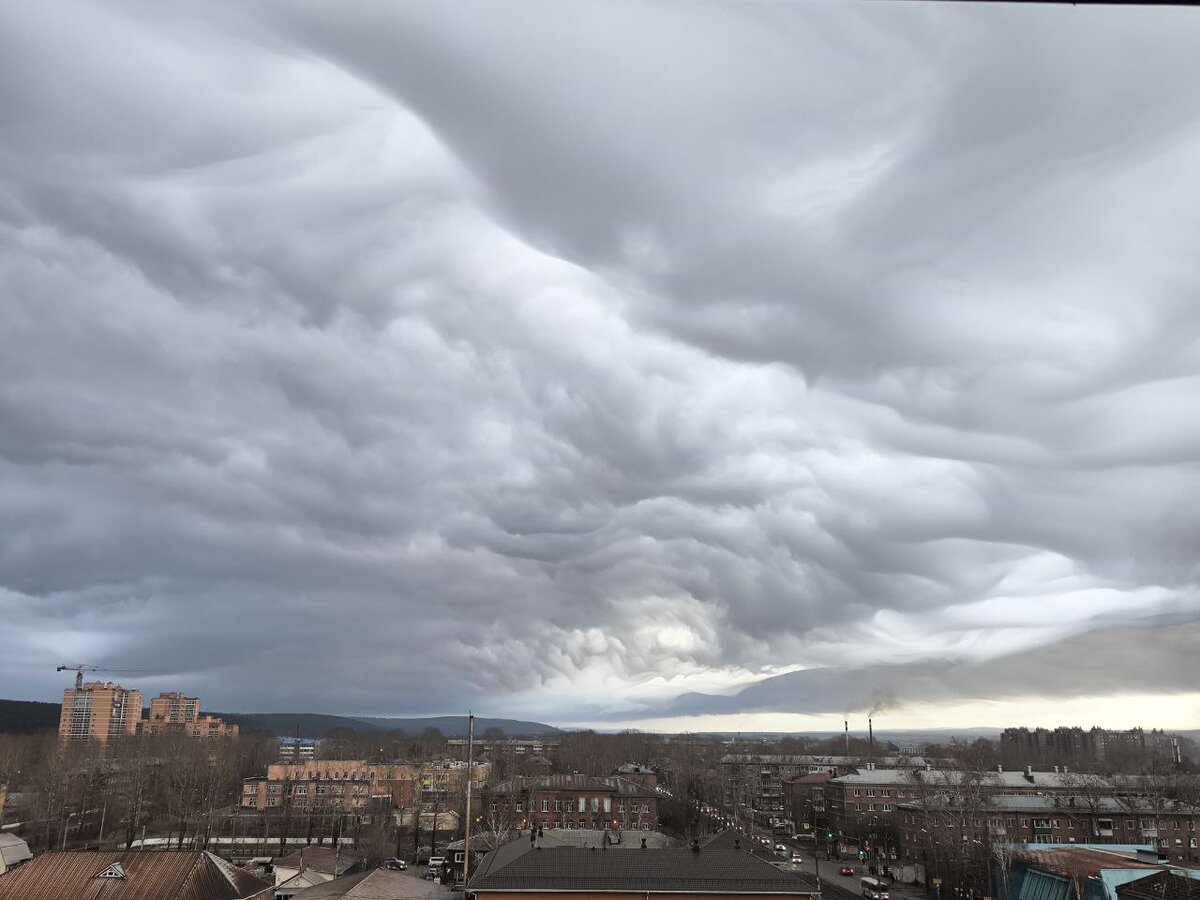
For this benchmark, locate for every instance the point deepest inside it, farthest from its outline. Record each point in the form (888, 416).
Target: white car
(781, 848)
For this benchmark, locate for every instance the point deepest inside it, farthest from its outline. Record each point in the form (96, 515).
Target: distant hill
(31, 716)
(456, 726)
(28, 716)
(316, 725)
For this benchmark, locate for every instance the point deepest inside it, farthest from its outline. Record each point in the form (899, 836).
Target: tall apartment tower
(173, 708)
(99, 711)
(173, 712)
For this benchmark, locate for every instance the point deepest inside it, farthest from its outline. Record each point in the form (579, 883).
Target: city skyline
(615, 364)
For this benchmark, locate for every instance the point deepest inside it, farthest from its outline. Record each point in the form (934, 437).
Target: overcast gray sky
(613, 362)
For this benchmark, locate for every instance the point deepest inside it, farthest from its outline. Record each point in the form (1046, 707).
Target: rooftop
(13, 849)
(318, 859)
(377, 884)
(851, 762)
(128, 875)
(992, 780)
(611, 785)
(1066, 805)
(518, 867)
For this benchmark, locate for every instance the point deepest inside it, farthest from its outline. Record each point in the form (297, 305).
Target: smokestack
(847, 723)
(871, 736)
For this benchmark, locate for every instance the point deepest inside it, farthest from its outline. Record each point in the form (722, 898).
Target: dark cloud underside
(580, 359)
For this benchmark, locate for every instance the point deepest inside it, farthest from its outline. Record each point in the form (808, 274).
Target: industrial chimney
(847, 723)
(871, 736)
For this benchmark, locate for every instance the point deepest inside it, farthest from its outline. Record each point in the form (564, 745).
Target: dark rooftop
(516, 867)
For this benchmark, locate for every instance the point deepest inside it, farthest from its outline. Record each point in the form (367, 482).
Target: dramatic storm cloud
(600, 361)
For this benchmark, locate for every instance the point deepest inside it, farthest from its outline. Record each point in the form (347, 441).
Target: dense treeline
(28, 716)
(87, 794)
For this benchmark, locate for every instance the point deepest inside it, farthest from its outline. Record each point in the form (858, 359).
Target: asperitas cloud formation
(608, 362)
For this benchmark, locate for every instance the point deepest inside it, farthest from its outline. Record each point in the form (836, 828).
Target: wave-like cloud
(394, 357)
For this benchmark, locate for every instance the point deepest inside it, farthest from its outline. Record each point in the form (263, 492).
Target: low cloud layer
(598, 361)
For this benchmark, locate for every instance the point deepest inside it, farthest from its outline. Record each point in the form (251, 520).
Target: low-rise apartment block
(331, 783)
(867, 801)
(1050, 819)
(571, 801)
(754, 785)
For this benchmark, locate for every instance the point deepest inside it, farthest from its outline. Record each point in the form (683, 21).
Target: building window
(595, 804)
(545, 804)
(558, 806)
(608, 804)
(520, 806)
(887, 807)
(583, 804)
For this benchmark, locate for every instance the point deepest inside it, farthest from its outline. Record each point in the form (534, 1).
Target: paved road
(846, 887)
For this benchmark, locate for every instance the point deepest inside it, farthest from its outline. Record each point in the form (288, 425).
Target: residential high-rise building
(173, 708)
(173, 711)
(99, 711)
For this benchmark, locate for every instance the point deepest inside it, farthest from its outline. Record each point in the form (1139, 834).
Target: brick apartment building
(98, 711)
(867, 801)
(1050, 819)
(572, 801)
(755, 784)
(804, 800)
(172, 712)
(331, 783)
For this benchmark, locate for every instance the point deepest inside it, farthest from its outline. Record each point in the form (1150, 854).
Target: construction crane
(80, 668)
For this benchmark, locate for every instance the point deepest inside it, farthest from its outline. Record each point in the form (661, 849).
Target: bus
(874, 889)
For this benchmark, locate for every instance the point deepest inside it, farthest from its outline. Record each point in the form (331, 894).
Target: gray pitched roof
(13, 849)
(941, 777)
(590, 783)
(578, 869)
(1061, 804)
(377, 884)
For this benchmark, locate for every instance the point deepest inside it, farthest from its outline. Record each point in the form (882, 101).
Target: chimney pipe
(847, 723)
(871, 736)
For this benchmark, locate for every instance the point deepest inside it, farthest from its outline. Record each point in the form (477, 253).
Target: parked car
(397, 864)
(846, 870)
(781, 848)
(436, 862)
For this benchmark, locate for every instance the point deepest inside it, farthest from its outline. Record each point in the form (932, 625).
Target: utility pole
(467, 832)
